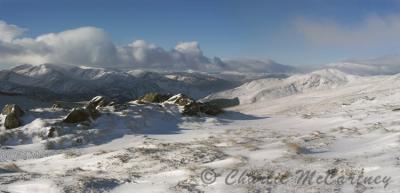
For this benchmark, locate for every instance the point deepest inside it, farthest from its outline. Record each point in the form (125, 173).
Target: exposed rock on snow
(77, 115)
(195, 108)
(192, 107)
(13, 113)
(100, 101)
(154, 98)
(11, 121)
(12, 108)
(180, 99)
(89, 111)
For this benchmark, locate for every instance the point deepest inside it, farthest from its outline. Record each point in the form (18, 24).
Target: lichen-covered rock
(77, 115)
(12, 108)
(11, 121)
(13, 113)
(154, 98)
(181, 100)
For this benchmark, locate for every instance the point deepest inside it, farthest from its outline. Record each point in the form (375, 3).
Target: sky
(293, 32)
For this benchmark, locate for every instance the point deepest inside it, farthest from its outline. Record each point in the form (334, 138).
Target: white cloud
(373, 30)
(384, 65)
(9, 32)
(86, 45)
(91, 46)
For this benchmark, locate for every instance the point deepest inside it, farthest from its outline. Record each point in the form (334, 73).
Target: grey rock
(154, 98)
(77, 115)
(12, 108)
(181, 100)
(12, 121)
(100, 101)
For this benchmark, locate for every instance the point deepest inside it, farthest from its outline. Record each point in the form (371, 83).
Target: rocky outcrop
(100, 101)
(180, 99)
(192, 107)
(89, 112)
(77, 115)
(196, 108)
(92, 110)
(210, 109)
(13, 113)
(154, 98)
(11, 121)
(12, 108)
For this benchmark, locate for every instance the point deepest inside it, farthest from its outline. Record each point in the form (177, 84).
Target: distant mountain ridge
(64, 82)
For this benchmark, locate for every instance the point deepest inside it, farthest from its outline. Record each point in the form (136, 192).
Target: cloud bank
(384, 65)
(91, 46)
(373, 30)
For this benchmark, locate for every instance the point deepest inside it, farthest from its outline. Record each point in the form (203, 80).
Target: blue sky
(290, 32)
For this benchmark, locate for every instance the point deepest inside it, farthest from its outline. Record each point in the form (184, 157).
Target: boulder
(77, 115)
(223, 103)
(154, 98)
(194, 108)
(12, 108)
(191, 109)
(12, 121)
(88, 113)
(13, 113)
(181, 100)
(91, 109)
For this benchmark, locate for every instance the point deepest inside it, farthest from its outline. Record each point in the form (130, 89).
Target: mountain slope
(270, 88)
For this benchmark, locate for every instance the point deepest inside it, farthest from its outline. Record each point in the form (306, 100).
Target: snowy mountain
(270, 88)
(64, 82)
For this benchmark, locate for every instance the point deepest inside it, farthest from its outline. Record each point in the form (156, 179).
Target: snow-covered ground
(326, 121)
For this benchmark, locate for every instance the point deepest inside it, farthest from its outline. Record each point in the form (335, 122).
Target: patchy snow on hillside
(335, 124)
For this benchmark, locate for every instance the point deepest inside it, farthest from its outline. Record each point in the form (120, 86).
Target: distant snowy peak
(263, 89)
(326, 78)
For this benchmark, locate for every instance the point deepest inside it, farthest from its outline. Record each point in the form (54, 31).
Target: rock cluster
(89, 112)
(13, 114)
(154, 98)
(192, 107)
